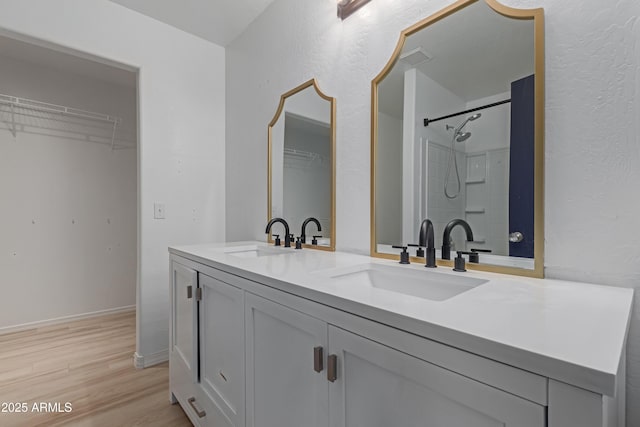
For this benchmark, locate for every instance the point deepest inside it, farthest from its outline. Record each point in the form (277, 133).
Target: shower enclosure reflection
(458, 136)
(455, 135)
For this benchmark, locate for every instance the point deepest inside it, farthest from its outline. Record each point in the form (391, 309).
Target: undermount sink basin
(418, 283)
(255, 251)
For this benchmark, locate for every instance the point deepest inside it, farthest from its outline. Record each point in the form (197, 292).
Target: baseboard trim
(57, 320)
(141, 362)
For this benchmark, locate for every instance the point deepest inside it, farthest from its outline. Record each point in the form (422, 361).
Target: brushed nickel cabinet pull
(192, 403)
(189, 292)
(332, 368)
(198, 294)
(317, 359)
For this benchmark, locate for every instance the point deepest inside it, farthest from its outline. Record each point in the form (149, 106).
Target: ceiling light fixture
(347, 7)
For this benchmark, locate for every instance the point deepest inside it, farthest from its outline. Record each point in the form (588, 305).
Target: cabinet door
(285, 388)
(184, 282)
(222, 347)
(386, 388)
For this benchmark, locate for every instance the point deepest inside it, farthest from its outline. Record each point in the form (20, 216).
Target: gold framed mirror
(301, 167)
(457, 132)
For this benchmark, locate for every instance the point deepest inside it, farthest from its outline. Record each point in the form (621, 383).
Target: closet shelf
(308, 155)
(16, 106)
(301, 159)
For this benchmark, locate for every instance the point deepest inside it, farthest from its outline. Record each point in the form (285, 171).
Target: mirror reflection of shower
(458, 136)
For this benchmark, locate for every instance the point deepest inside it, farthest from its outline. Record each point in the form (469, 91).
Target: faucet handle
(315, 240)
(404, 255)
(458, 262)
(419, 251)
(277, 239)
(474, 256)
(298, 243)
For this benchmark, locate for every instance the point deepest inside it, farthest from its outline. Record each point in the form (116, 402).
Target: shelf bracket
(113, 134)
(13, 122)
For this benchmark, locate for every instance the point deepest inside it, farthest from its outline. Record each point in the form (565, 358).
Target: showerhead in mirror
(467, 120)
(458, 136)
(463, 136)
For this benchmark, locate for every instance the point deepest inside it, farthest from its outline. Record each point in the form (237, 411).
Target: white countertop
(573, 332)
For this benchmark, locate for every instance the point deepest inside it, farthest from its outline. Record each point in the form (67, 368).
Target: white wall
(181, 131)
(69, 229)
(389, 185)
(592, 108)
(493, 129)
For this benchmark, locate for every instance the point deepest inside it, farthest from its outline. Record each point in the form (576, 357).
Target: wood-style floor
(88, 363)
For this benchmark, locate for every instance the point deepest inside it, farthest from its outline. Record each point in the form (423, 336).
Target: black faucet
(303, 237)
(426, 240)
(446, 247)
(287, 236)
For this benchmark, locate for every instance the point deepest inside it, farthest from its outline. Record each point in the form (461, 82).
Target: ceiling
(475, 53)
(219, 21)
(65, 62)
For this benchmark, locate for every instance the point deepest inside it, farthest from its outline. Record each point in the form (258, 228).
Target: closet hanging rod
(427, 121)
(302, 154)
(16, 102)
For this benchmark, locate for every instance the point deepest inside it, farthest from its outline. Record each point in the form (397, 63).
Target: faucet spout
(287, 237)
(446, 247)
(303, 237)
(426, 237)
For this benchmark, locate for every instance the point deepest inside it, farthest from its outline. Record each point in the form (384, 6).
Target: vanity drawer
(183, 388)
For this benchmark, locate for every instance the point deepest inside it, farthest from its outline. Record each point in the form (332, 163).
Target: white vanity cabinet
(286, 379)
(183, 349)
(378, 386)
(207, 344)
(367, 383)
(247, 350)
(221, 346)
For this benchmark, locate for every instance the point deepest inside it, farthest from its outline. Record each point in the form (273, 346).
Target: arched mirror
(457, 133)
(301, 168)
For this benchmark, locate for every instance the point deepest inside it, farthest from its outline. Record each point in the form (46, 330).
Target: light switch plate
(158, 210)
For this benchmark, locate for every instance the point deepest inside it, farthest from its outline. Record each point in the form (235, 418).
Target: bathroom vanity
(277, 337)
